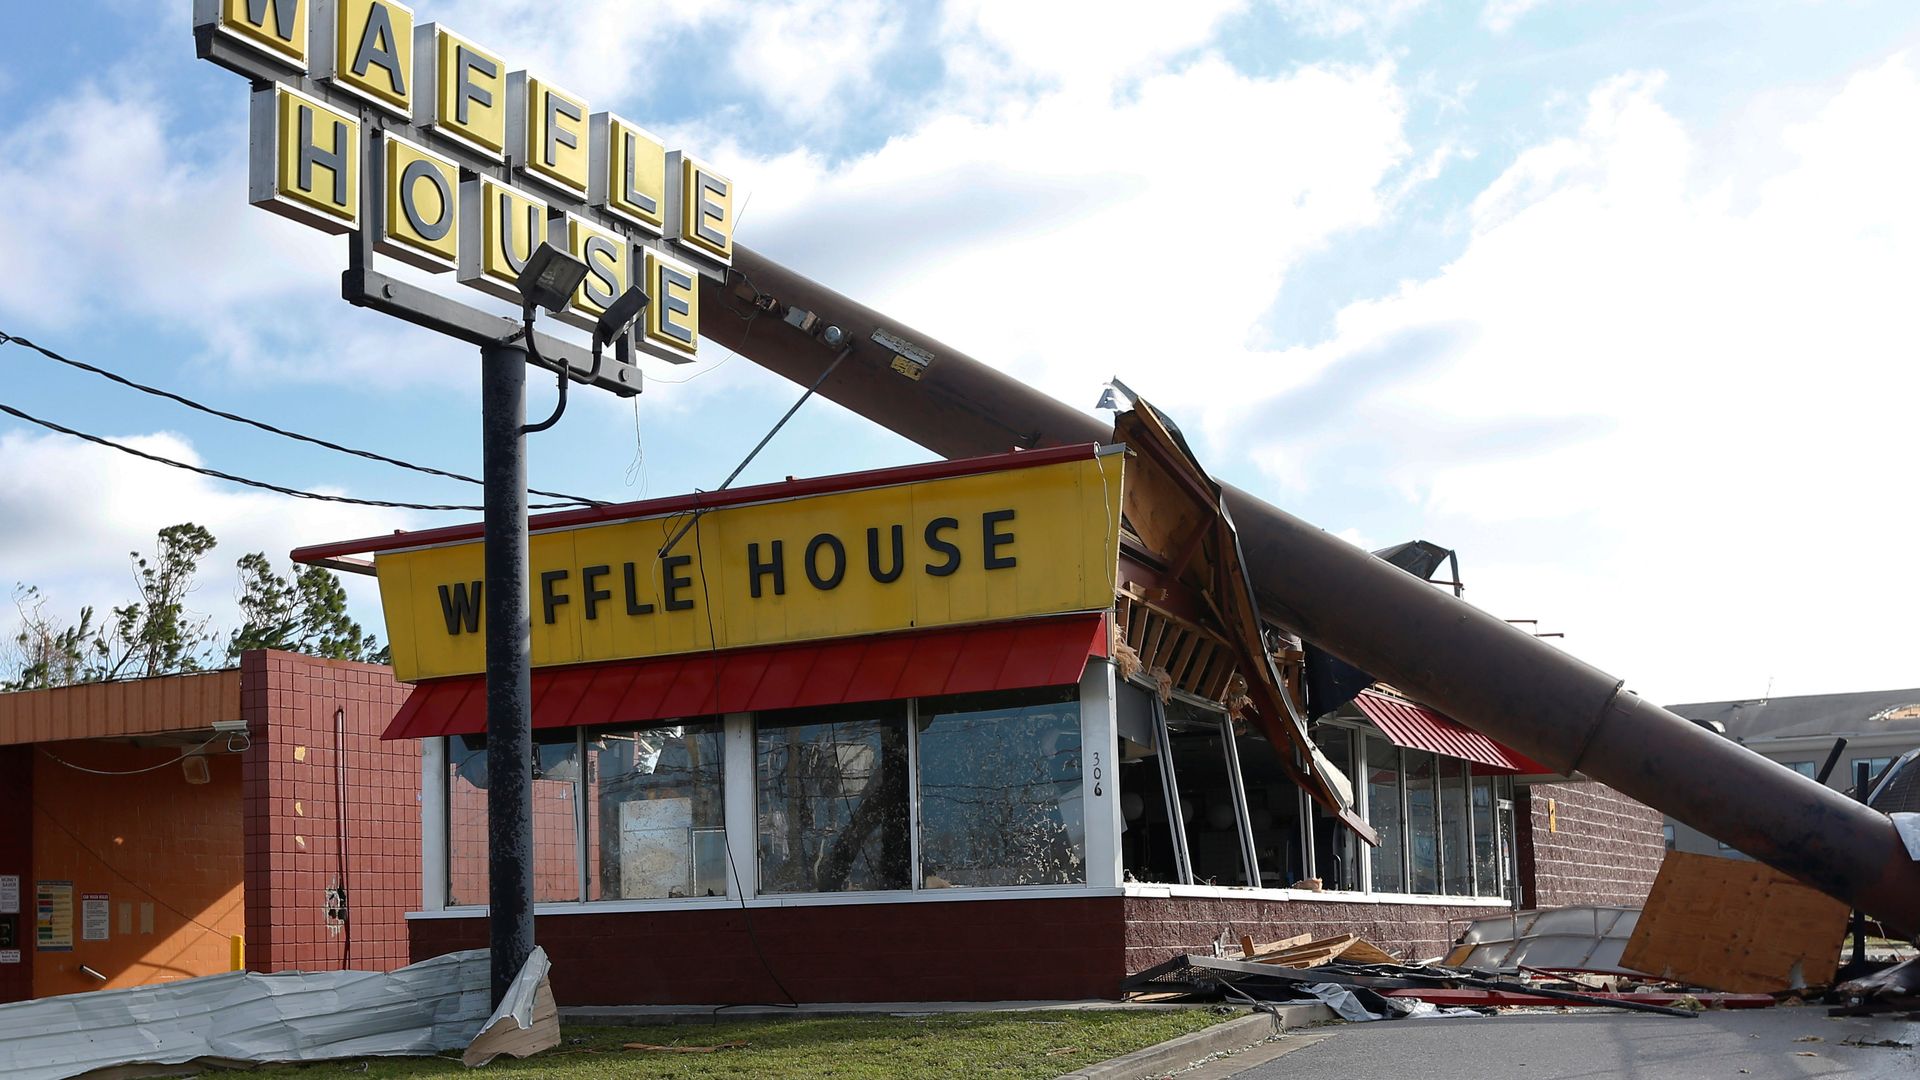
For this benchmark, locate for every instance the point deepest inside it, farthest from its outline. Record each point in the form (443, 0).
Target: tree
(157, 634)
(305, 612)
(47, 652)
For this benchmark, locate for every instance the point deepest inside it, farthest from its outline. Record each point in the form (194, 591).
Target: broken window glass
(1208, 805)
(833, 799)
(1486, 838)
(1337, 848)
(1000, 798)
(1423, 834)
(656, 811)
(556, 840)
(1383, 813)
(1456, 845)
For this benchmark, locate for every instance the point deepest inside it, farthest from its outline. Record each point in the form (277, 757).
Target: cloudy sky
(1614, 297)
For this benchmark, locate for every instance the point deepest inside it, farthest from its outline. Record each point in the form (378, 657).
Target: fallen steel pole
(1494, 678)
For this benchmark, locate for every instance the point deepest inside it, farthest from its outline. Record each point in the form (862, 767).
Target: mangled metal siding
(247, 1018)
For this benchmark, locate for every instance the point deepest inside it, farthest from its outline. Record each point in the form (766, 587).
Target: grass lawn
(1000, 1045)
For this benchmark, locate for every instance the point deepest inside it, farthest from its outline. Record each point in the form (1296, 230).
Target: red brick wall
(1585, 843)
(1158, 928)
(989, 950)
(16, 857)
(167, 854)
(290, 783)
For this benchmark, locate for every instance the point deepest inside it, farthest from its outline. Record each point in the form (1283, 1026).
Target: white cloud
(1500, 15)
(808, 58)
(1672, 417)
(1073, 45)
(74, 511)
(1017, 237)
(1334, 18)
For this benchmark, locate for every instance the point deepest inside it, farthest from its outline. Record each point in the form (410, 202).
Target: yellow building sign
(365, 47)
(420, 210)
(305, 159)
(359, 93)
(957, 550)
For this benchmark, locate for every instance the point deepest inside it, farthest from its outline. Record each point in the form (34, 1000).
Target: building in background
(159, 829)
(1799, 732)
(944, 732)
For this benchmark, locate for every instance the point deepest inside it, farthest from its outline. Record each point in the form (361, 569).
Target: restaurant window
(1456, 844)
(556, 821)
(1805, 768)
(1000, 789)
(656, 811)
(1423, 833)
(1486, 838)
(834, 799)
(1208, 807)
(1336, 848)
(1383, 813)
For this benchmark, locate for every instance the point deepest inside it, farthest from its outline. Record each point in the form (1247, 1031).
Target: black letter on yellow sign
(675, 582)
(377, 47)
(832, 543)
(461, 607)
(873, 555)
(550, 599)
(590, 595)
(993, 540)
(334, 161)
(934, 528)
(634, 606)
(777, 566)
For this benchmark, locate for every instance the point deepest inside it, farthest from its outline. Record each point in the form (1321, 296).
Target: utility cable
(6, 338)
(726, 834)
(294, 493)
(184, 755)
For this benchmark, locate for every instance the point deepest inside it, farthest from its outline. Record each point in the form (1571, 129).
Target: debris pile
(1714, 933)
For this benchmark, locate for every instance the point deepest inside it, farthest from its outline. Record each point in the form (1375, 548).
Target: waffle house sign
(432, 148)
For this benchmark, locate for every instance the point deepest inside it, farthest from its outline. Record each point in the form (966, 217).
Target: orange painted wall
(146, 839)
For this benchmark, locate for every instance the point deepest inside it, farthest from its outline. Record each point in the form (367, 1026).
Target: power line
(6, 338)
(216, 474)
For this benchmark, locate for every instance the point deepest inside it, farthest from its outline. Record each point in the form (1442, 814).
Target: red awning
(1001, 656)
(1417, 727)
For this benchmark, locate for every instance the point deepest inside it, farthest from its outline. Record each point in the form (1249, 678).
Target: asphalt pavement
(1786, 1043)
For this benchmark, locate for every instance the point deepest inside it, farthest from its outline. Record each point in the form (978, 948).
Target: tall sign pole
(421, 145)
(503, 412)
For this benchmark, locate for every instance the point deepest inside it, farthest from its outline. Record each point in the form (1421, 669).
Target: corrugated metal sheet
(426, 1008)
(1001, 656)
(1587, 939)
(108, 710)
(1417, 727)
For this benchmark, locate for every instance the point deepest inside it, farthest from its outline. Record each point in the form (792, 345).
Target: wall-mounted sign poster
(435, 150)
(53, 916)
(96, 911)
(9, 894)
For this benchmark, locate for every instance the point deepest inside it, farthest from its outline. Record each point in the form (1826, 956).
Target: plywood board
(1738, 926)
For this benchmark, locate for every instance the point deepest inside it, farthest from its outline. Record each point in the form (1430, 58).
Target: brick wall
(1158, 928)
(16, 858)
(291, 779)
(165, 852)
(994, 950)
(1585, 843)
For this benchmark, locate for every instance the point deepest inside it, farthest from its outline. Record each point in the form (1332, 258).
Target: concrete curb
(1179, 1053)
